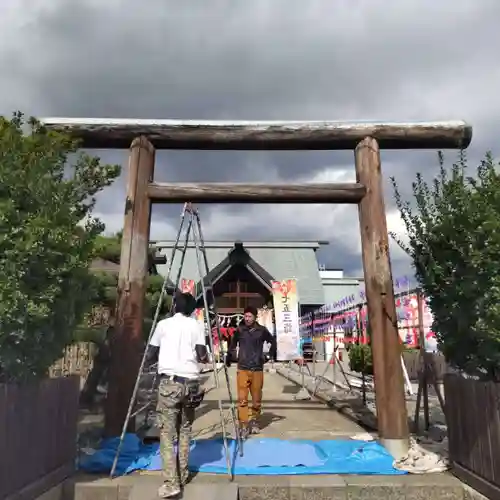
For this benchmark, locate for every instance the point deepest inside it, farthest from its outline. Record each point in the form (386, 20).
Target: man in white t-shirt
(178, 344)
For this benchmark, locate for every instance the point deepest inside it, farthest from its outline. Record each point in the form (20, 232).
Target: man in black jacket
(250, 338)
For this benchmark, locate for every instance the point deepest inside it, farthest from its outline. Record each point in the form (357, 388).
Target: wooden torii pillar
(365, 139)
(128, 342)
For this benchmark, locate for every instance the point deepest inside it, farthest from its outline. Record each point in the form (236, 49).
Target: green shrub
(95, 334)
(360, 359)
(47, 241)
(453, 227)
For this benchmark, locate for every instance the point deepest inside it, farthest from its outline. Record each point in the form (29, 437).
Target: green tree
(47, 240)
(105, 285)
(453, 227)
(109, 247)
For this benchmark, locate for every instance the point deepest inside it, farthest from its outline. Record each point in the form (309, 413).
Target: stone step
(218, 487)
(227, 491)
(147, 489)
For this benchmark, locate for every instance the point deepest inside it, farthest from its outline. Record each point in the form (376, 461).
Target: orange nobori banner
(286, 312)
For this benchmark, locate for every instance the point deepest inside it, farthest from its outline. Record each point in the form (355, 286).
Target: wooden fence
(412, 364)
(77, 360)
(38, 436)
(473, 418)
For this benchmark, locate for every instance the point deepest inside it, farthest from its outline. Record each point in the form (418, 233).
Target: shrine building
(242, 273)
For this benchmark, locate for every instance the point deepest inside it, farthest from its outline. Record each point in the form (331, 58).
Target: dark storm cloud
(250, 60)
(285, 59)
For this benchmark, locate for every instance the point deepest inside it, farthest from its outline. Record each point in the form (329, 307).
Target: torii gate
(366, 139)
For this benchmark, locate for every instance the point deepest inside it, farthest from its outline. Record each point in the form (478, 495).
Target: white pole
(334, 359)
(407, 378)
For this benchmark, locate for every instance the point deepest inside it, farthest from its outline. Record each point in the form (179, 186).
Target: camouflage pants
(176, 421)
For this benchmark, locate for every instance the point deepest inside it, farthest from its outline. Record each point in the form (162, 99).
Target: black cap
(250, 309)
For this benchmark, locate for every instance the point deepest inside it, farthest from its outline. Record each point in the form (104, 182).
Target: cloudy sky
(259, 60)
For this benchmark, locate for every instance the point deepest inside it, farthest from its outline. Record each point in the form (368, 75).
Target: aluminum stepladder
(191, 216)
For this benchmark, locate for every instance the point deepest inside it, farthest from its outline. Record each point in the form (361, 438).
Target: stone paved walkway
(327, 389)
(282, 415)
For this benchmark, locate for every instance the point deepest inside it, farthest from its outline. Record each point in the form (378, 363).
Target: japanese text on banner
(286, 311)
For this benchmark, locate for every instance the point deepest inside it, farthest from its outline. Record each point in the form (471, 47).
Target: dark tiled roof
(279, 260)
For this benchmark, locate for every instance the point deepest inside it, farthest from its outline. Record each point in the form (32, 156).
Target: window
(252, 302)
(237, 286)
(223, 302)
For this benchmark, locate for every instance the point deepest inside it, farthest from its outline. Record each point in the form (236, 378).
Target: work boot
(244, 431)
(186, 477)
(166, 491)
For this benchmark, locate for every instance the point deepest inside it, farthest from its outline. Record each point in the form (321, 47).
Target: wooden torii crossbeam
(365, 139)
(262, 135)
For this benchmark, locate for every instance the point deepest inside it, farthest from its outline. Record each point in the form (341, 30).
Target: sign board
(286, 312)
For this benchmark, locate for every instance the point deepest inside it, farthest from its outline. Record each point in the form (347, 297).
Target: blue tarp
(266, 456)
